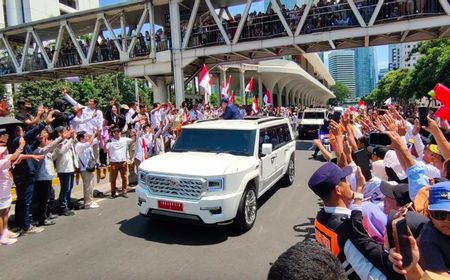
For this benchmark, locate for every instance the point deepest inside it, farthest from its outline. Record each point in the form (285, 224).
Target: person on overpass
(230, 111)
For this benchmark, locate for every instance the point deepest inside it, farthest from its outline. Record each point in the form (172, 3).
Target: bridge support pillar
(160, 94)
(178, 74)
(260, 90)
(279, 99)
(242, 79)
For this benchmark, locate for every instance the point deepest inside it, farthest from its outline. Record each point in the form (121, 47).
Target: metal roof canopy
(83, 22)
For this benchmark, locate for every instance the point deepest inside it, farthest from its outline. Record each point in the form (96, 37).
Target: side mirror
(267, 149)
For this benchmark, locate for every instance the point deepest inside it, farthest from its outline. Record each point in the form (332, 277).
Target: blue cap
(224, 100)
(439, 198)
(326, 178)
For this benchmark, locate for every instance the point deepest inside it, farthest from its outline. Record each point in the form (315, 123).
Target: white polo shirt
(118, 149)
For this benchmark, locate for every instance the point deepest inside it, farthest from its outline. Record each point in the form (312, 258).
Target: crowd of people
(71, 141)
(105, 50)
(323, 15)
(370, 186)
(364, 185)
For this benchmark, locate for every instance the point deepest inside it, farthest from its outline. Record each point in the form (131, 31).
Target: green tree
(104, 88)
(341, 92)
(394, 84)
(432, 68)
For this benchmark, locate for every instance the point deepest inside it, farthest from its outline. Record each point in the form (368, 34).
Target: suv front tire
(248, 208)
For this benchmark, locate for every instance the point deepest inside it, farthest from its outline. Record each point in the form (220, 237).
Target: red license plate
(170, 205)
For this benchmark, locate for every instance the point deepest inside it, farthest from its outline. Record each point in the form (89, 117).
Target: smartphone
(398, 233)
(361, 159)
(376, 138)
(401, 233)
(423, 113)
(337, 116)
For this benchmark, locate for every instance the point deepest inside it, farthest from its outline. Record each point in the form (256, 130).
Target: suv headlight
(142, 175)
(215, 184)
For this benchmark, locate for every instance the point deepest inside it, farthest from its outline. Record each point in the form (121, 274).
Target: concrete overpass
(197, 32)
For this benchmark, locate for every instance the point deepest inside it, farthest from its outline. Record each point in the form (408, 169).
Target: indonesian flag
(227, 88)
(223, 91)
(205, 80)
(361, 104)
(443, 113)
(267, 99)
(249, 86)
(255, 106)
(232, 97)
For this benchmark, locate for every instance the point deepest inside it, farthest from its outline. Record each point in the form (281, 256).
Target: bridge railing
(321, 17)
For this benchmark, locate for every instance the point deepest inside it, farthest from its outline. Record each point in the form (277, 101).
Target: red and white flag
(232, 97)
(227, 88)
(249, 87)
(267, 99)
(223, 91)
(255, 105)
(205, 80)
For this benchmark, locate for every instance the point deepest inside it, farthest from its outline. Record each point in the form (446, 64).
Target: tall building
(321, 56)
(400, 56)
(382, 72)
(408, 60)
(341, 64)
(15, 12)
(394, 57)
(366, 71)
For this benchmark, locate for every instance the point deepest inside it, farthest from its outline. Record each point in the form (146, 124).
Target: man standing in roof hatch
(230, 111)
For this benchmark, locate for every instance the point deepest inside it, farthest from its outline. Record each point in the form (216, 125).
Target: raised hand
(49, 119)
(402, 128)
(416, 128)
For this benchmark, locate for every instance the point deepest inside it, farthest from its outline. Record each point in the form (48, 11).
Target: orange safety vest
(326, 237)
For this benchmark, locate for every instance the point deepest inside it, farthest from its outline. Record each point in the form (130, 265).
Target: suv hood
(196, 164)
(311, 122)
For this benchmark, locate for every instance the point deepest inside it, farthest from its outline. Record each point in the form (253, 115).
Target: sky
(382, 52)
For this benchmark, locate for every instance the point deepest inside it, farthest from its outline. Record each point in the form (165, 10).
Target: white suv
(217, 170)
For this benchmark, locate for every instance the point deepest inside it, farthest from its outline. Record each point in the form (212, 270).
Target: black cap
(379, 151)
(398, 192)
(115, 129)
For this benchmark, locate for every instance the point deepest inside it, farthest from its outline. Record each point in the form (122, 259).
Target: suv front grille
(191, 188)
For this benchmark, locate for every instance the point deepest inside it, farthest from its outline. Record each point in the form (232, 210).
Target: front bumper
(208, 210)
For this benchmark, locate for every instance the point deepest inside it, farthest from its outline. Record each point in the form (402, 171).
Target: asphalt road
(114, 242)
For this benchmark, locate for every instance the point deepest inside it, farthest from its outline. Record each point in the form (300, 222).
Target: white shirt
(85, 153)
(94, 123)
(129, 115)
(64, 156)
(78, 124)
(378, 170)
(148, 142)
(118, 149)
(156, 119)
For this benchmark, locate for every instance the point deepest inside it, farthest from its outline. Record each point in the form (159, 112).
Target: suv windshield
(313, 115)
(236, 142)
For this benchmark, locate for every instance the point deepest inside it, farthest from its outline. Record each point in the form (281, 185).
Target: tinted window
(313, 115)
(236, 142)
(278, 136)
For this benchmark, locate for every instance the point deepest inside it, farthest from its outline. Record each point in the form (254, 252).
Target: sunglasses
(440, 215)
